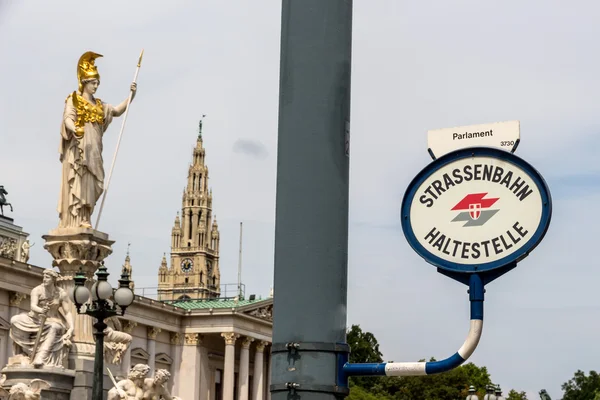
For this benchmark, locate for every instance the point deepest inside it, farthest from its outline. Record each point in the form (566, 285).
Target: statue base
(61, 380)
(75, 248)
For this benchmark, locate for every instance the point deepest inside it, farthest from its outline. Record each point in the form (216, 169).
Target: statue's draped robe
(82, 180)
(25, 327)
(116, 342)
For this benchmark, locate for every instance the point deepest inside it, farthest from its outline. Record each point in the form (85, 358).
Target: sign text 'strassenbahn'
(476, 172)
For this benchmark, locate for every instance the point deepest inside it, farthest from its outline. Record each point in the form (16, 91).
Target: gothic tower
(194, 271)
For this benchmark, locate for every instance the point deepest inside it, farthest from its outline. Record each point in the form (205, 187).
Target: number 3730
(507, 143)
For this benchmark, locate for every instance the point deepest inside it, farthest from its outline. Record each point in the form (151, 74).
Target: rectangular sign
(501, 135)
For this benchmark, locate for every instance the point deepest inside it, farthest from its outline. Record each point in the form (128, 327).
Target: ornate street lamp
(101, 308)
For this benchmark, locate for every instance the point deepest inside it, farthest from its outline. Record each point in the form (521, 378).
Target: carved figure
(131, 388)
(3, 201)
(116, 341)
(154, 388)
(85, 119)
(49, 323)
(21, 391)
(25, 250)
(8, 246)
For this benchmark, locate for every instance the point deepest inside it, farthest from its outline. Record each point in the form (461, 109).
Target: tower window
(187, 280)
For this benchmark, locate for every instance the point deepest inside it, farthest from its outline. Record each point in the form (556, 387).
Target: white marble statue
(51, 319)
(22, 391)
(131, 388)
(154, 388)
(85, 119)
(116, 341)
(25, 250)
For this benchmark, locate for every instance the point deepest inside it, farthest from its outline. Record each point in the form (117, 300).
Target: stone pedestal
(60, 380)
(12, 238)
(73, 249)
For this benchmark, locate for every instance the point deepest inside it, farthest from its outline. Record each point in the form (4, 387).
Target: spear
(112, 166)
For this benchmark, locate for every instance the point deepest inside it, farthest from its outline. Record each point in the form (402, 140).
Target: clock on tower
(187, 265)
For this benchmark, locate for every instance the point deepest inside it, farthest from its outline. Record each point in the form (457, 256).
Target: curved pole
(476, 297)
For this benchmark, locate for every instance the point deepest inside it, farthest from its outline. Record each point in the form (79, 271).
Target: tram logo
(475, 209)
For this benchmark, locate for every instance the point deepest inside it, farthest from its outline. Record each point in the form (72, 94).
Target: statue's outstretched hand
(122, 393)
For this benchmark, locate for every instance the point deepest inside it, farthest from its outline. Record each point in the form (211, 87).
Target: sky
(415, 66)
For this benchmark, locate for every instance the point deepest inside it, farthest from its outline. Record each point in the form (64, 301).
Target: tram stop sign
(476, 210)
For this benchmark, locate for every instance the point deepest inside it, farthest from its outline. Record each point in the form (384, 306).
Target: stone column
(188, 383)
(244, 369)
(229, 367)
(126, 361)
(73, 249)
(258, 379)
(176, 350)
(14, 301)
(152, 332)
(205, 373)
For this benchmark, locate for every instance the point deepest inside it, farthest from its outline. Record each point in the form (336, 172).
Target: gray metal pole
(311, 229)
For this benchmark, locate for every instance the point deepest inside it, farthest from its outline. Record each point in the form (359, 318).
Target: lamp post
(100, 308)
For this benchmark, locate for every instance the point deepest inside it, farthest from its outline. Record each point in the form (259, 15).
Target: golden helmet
(86, 68)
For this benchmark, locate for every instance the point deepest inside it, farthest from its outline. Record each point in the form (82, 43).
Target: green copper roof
(213, 303)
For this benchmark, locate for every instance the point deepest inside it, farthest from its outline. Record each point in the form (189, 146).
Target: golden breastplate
(86, 112)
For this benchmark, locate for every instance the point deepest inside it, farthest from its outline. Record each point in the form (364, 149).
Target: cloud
(253, 148)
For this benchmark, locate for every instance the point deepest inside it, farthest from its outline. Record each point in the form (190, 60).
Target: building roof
(215, 303)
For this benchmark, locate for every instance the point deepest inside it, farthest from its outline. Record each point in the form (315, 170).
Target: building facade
(215, 348)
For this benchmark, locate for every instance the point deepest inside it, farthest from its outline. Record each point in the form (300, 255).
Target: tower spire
(200, 126)
(194, 237)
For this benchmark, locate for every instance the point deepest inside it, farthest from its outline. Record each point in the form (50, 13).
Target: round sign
(475, 210)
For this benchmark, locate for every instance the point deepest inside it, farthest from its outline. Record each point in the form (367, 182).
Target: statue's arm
(120, 109)
(35, 296)
(127, 387)
(69, 117)
(165, 394)
(66, 306)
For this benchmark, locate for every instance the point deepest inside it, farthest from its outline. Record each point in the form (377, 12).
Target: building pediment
(164, 359)
(140, 353)
(261, 310)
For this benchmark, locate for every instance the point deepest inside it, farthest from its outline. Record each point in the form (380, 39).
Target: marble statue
(116, 341)
(131, 388)
(154, 388)
(3, 201)
(85, 119)
(22, 391)
(25, 250)
(43, 335)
